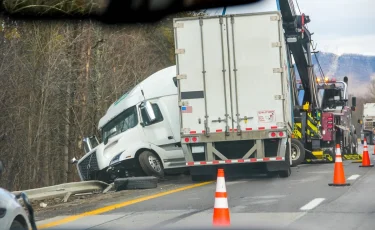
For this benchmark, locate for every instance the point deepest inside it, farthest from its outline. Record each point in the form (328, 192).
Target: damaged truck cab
(139, 133)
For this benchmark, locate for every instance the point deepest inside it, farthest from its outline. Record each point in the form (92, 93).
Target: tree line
(57, 79)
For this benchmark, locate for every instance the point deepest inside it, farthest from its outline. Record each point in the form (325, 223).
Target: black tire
(136, 183)
(16, 225)
(299, 149)
(142, 182)
(286, 173)
(146, 159)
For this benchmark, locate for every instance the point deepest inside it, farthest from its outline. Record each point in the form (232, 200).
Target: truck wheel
(298, 152)
(286, 173)
(16, 225)
(150, 164)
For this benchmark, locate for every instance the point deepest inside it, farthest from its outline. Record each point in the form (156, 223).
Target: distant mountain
(358, 68)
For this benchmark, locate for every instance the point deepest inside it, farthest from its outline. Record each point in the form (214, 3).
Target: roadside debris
(146, 182)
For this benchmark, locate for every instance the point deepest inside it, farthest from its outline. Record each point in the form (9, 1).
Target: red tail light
(275, 135)
(191, 139)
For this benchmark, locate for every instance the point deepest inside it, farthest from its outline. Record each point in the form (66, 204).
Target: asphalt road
(302, 201)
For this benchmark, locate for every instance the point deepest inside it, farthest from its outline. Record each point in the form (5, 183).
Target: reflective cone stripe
(338, 159)
(365, 149)
(338, 174)
(221, 210)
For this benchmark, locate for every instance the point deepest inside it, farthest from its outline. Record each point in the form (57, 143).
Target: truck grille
(88, 166)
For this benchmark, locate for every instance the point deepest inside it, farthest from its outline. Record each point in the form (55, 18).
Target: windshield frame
(116, 123)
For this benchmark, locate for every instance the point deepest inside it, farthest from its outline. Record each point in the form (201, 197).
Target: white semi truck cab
(140, 133)
(234, 93)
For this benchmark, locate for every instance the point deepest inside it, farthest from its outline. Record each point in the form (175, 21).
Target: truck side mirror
(86, 145)
(89, 143)
(175, 81)
(354, 101)
(146, 105)
(1, 167)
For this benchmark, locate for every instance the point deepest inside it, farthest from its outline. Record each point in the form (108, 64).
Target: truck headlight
(115, 159)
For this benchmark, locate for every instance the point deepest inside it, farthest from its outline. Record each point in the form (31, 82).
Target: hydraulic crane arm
(298, 39)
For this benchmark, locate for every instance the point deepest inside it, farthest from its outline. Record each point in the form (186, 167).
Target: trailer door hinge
(178, 25)
(181, 76)
(179, 51)
(183, 103)
(279, 97)
(276, 44)
(281, 124)
(278, 70)
(275, 18)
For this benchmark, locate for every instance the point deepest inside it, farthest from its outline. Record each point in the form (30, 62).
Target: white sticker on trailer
(197, 149)
(266, 116)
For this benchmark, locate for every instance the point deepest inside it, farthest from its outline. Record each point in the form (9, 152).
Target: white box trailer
(234, 92)
(368, 124)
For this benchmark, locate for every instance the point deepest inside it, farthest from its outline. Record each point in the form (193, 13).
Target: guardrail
(66, 190)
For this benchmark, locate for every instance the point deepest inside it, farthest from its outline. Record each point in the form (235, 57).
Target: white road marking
(236, 182)
(312, 204)
(353, 177)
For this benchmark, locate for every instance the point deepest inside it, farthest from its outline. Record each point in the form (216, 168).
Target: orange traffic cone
(339, 174)
(365, 156)
(221, 210)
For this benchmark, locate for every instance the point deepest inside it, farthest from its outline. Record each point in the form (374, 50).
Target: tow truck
(322, 116)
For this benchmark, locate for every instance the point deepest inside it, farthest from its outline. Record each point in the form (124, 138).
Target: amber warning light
(318, 80)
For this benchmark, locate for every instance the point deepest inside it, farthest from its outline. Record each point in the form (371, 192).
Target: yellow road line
(119, 205)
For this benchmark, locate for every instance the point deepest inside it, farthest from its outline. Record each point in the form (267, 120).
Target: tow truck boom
(298, 39)
(316, 129)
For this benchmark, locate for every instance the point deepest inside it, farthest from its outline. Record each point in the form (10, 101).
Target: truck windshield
(124, 121)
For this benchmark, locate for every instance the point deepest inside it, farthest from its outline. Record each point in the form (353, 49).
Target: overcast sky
(339, 26)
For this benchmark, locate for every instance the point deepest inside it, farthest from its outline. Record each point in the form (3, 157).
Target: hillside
(359, 68)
